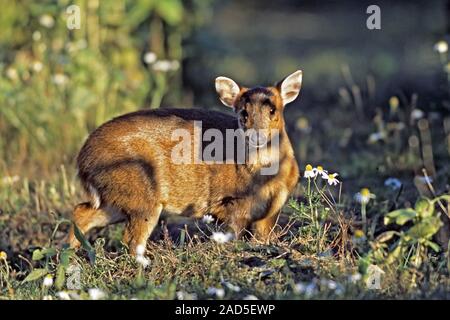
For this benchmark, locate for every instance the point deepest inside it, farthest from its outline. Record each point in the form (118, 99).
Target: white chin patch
(95, 197)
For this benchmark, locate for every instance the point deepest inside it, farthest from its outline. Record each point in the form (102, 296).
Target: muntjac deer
(133, 168)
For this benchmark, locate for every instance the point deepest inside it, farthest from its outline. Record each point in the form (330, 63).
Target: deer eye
(244, 114)
(272, 110)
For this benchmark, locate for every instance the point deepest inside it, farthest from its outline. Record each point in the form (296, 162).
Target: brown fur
(127, 162)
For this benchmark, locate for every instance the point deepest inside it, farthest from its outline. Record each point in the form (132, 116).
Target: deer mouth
(257, 139)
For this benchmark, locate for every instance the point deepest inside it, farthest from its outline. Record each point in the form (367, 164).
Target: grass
(55, 88)
(321, 253)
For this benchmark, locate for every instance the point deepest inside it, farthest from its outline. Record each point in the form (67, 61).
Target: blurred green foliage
(57, 84)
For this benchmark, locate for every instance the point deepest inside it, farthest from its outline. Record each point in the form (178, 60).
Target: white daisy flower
(231, 286)
(47, 21)
(186, 296)
(166, 65)
(60, 79)
(354, 278)
(47, 297)
(48, 281)
(37, 66)
(417, 114)
(36, 35)
(218, 292)
(376, 136)
(208, 218)
(320, 171)
(12, 73)
(364, 196)
(63, 295)
(96, 294)
(394, 183)
(10, 179)
(331, 179)
(150, 57)
(441, 46)
(221, 237)
(309, 172)
(308, 289)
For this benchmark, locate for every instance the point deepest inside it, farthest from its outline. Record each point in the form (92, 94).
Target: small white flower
(330, 284)
(140, 250)
(149, 57)
(364, 196)
(376, 136)
(354, 278)
(186, 296)
(300, 288)
(417, 114)
(232, 287)
(309, 172)
(441, 46)
(63, 295)
(60, 79)
(47, 21)
(221, 237)
(166, 65)
(37, 66)
(331, 179)
(143, 261)
(218, 292)
(250, 297)
(207, 219)
(48, 281)
(10, 179)
(12, 73)
(47, 297)
(96, 294)
(36, 36)
(394, 183)
(320, 171)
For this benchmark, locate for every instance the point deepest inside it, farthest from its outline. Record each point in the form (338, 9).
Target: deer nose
(257, 138)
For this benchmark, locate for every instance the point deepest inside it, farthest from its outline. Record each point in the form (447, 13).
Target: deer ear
(227, 90)
(289, 88)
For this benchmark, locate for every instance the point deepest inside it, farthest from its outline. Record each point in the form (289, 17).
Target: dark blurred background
(364, 91)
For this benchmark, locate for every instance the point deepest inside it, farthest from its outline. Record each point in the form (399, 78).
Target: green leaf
(60, 277)
(386, 236)
(424, 208)
(40, 254)
(64, 257)
(394, 254)
(35, 275)
(85, 244)
(400, 216)
(171, 11)
(425, 229)
(433, 245)
(277, 263)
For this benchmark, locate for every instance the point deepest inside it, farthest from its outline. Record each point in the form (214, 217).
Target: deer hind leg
(140, 226)
(86, 217)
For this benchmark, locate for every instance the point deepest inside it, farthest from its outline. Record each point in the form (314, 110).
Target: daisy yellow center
(365, 192)
(359, 233)
(319, 168)
(3, 255)
(331, 176)
(308, 167)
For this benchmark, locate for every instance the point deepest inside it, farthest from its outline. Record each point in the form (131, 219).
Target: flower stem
(364, 217)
